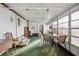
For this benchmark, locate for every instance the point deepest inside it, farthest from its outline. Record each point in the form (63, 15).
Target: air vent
(27, 9)
(47, 10)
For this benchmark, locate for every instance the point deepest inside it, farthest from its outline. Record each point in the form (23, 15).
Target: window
(75, 15)
(75, 41)
(55, 27)
(74, 24)
(64, 19)
(63, 26)
(75, 32)
(55, 23)
(75, 28)
(60, 21)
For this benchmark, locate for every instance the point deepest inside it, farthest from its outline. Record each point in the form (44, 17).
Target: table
(6, 45)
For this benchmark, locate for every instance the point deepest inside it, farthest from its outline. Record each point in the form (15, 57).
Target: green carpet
(26, 50)
(35, 48)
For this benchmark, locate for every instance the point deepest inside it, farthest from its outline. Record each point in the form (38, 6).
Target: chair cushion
(62, 38)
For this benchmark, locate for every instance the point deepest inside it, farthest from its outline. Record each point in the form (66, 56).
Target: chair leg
(7, 52)
(57, 46)
(43, 44)
(65, 45)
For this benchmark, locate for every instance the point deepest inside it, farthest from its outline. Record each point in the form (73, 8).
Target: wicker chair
(62, 39)
(9, 36)
(47, 43)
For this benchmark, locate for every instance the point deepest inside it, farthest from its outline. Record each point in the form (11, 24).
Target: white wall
(33, 27)
(7, 26)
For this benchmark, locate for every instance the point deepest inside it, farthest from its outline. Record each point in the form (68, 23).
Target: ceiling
(39, 12)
